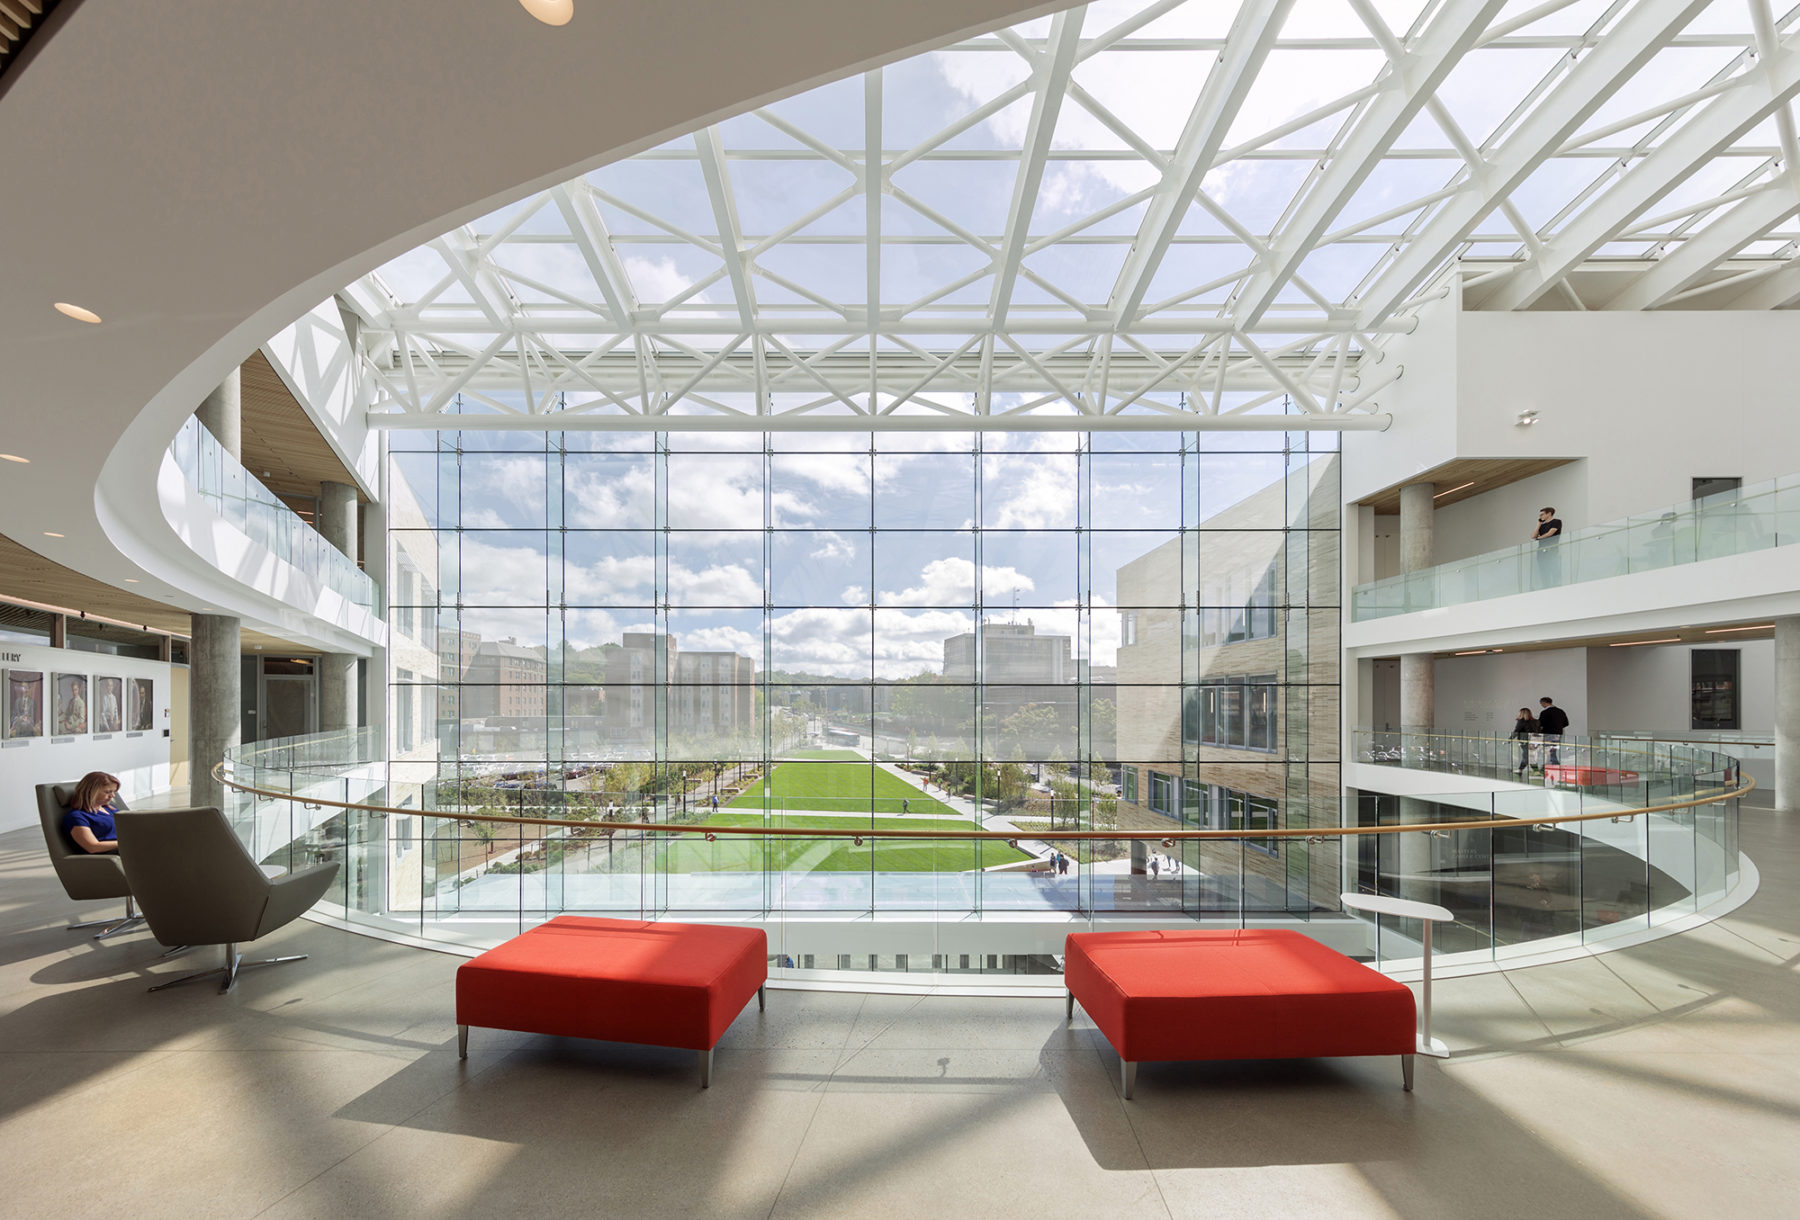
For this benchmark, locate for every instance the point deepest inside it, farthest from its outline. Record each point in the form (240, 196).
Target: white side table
(1428, 913)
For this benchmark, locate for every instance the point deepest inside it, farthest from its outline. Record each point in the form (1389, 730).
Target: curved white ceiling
(200, 174)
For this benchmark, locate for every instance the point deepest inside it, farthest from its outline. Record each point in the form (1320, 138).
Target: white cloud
(951, 582)
(657, 279)
(1038, 495)
(833, 545)
(721, 585)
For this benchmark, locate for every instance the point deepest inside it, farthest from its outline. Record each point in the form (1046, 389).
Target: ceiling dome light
(78, 313)
(13, 457)
(550, 12)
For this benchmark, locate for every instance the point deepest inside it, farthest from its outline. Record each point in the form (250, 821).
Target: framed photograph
(69, 714)
(24, 703)
(109, 705)
(140, 704)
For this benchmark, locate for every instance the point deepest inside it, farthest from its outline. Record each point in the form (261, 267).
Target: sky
(848, 600)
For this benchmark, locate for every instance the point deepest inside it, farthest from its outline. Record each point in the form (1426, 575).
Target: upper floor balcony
(1728, 524)
(1750, 519)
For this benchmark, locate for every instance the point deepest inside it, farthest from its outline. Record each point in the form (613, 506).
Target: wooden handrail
(1053, 836)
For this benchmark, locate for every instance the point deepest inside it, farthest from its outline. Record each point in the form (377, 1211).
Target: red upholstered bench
(620, 980)
(1250, 994)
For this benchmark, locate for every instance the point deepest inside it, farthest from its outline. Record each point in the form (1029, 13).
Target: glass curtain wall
(930, 632)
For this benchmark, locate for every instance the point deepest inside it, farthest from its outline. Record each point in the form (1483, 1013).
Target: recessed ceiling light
(1729, 630)
(51, 534)
(131, 580)
(77, 312)
(1460, 487)
(13, 457)
(550, 12)
(1640, 643)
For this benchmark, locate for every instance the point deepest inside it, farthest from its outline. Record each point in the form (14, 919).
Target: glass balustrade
(1731, 523)
(1616, 848)
(237, 496)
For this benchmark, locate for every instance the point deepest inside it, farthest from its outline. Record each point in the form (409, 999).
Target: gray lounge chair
(85, 876)
(198, 886)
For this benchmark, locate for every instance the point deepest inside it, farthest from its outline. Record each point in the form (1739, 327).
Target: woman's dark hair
(93, 784)
(1525, 712)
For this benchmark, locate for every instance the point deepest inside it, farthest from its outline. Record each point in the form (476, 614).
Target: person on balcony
(1547, 534)
(1553, 722)
(89, 821)
(1524, 726)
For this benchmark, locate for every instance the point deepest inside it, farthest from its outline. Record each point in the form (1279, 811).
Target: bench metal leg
(462, 1041)
(762, 1003)
(1127, 1077)
(1406, 1071)
(706, 1069)
(1069, 1011)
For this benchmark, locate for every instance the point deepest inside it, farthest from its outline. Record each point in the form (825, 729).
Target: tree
(1103, 720)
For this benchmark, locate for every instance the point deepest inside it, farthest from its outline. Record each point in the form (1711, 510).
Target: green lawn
(838, 787)
(731, 854)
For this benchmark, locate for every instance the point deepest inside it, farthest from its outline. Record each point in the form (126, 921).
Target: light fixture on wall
(550, 12)
(1527, 418)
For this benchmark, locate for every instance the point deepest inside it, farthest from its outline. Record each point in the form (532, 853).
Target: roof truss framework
(1189, 215)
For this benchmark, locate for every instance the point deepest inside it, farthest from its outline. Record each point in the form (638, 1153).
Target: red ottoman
(620, 980)
(1250, 994)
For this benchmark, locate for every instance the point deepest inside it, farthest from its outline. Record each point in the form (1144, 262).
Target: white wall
(140, 760)
(1648, 688)
(1481, 695)
(1422, 402)
(1652, 399)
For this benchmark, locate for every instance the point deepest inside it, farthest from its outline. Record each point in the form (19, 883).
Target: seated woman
(89, 821)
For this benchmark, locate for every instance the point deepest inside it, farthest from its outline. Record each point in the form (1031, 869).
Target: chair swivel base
(130, 921)
(234, 965)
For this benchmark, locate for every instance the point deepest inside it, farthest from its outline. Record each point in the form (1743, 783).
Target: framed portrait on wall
(140, 704)
(69, 714)
(109, 705)
(24, 703)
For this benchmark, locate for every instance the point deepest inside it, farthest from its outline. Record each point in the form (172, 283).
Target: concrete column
(215, 702)
(1787, 713)
(337, 518)
(222, 415)
(1415, 526)
(337, 671)
(1418, 694)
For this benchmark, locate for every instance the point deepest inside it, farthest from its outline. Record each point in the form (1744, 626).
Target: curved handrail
(1319, 833)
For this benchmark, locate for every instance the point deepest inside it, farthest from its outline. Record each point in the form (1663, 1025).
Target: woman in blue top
(89, 820)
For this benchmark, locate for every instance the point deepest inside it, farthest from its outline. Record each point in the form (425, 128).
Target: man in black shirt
(1552, 721)
(1547, 534)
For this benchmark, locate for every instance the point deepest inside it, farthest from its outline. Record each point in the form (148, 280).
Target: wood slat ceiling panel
(282, 447)
(29, 576)
(1481, 474)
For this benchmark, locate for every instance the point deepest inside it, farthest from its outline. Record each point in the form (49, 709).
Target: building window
(1239, 713)
(1128, 785)
(1220, 808)
(1162, 793)
(1232, 614)
(1128, 628)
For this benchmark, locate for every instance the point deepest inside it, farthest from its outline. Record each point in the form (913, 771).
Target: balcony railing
(1525, 868)
(1731, 523)
(237, 496)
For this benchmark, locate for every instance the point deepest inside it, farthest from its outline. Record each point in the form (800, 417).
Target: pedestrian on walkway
(1553, 722)
(1524, 725)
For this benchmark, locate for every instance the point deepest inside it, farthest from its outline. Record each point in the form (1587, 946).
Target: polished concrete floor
(1662, 1080)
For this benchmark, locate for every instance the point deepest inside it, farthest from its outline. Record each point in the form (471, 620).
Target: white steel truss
(1175, 214)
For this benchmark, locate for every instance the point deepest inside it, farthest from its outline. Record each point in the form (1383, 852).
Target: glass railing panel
(1732, 523)
(239, 498)
(1615, 880)
(1674, 864)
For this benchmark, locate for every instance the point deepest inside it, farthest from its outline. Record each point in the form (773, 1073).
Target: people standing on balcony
(1547, 533)
(1552, 723)
(1524, 725)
